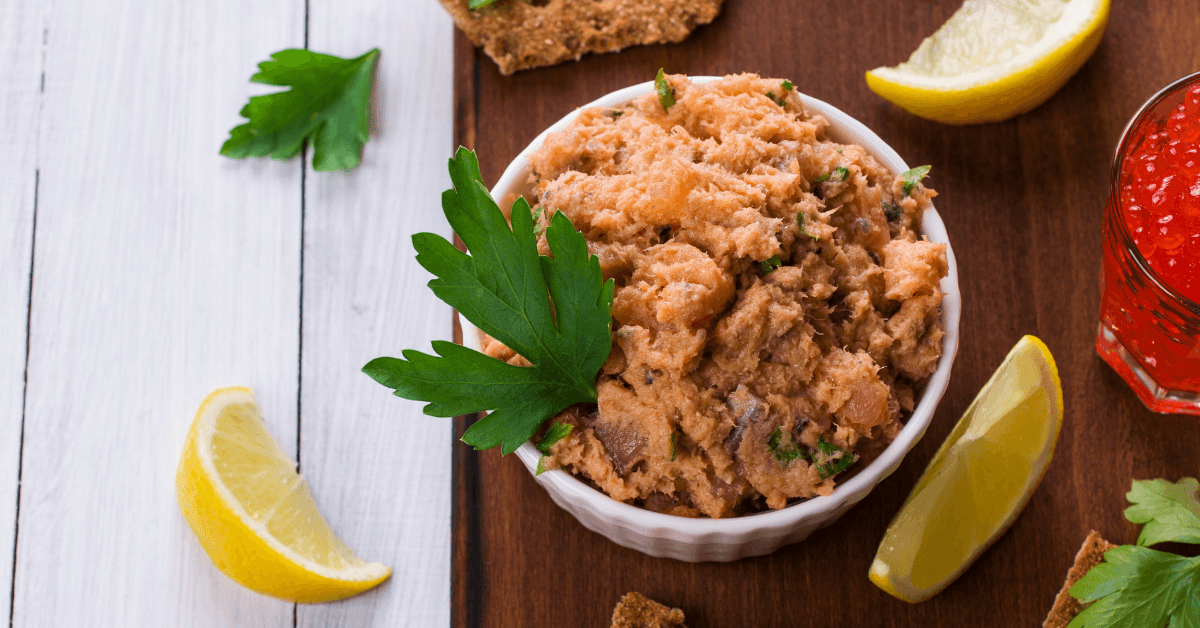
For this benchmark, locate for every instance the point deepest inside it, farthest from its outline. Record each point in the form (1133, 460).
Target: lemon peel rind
(272, 578)
(879, 572)
(1024, 83)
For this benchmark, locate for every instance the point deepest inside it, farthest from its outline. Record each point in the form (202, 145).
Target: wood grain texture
(20, 99)
(163, 271)
(1022, 201)
(380, 469)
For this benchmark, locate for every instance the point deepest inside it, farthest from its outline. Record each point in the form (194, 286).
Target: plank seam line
(300, 315)
(473, 614)
(12, 592)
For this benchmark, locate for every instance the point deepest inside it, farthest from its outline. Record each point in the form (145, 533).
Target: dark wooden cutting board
(1022, 201)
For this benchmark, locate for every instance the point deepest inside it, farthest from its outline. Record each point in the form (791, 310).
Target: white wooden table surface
(139, 270)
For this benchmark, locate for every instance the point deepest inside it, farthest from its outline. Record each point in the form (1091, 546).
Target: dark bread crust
(638, 611)
(1066, 607)
(517, 35)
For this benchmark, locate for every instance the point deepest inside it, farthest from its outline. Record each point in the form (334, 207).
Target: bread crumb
(519, 34)
(638, 611)
(1066, 607)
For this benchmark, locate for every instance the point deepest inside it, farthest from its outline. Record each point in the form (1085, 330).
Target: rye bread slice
(638, 611)
(1066, 607)
(520, 34)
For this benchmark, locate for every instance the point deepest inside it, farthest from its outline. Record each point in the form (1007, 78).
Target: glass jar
(1149, 329)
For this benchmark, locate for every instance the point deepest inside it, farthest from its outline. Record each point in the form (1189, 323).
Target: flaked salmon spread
(775, 310)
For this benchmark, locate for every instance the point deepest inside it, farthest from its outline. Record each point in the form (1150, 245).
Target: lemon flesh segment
(254, 515)
(978, 481)
(994, 59)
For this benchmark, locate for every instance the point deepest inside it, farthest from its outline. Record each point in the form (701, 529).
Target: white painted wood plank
(20, 95)
(163, 272)
(379, 468)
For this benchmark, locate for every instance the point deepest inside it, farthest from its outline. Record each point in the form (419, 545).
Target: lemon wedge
(978, 481)
(254, 514)
(994, 59)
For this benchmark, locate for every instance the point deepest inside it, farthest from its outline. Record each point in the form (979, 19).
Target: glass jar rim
(1115, 190)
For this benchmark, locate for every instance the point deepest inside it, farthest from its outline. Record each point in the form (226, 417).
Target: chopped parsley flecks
(913, 177)
(666, 92)
(831, 459)
(538, 227)
(802, 222)
(785, 453)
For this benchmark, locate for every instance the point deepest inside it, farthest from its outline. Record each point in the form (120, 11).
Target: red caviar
(1161, 197)
(1150, 312)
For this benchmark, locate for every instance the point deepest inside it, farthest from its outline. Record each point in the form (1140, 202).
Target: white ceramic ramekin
(697, 540)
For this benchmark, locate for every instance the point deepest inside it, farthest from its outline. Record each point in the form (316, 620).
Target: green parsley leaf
(821, 179)
(617, 113)
(1171, 512)
(787, 85)
(672, 446)
(914, 176)
(770, 264)
(1138, 586)
(777, 99)
(831, 459)
(479, 4)
(802, 222)
(557, 432)
(541, 468)
(666, 91)
(329, 102)
(505, 288)
(891, 211)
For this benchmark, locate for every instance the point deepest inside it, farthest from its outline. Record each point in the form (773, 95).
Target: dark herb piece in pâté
(891, 211)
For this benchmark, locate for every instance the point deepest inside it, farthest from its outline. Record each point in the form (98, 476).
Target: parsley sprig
(553, 311)
(329, 102)
(1138, 586)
